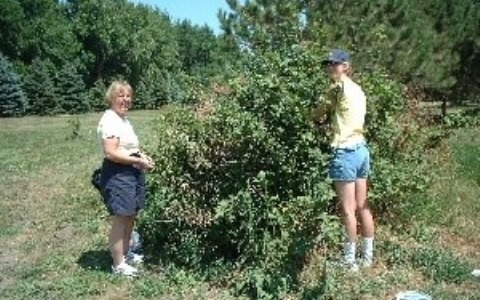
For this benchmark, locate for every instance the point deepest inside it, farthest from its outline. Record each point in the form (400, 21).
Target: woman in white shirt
(122, 178)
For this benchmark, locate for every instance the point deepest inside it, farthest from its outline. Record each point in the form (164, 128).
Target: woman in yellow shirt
(350, 165)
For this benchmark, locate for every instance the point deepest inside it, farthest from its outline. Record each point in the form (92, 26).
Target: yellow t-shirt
(349, 109)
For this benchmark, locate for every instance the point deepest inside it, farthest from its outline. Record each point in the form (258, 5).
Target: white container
(412, 295)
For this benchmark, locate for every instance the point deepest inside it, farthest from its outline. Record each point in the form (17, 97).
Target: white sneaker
(351, 267)
(133, 258)
(125, 270)
(366, 263)
(346, 265)
(476, 273)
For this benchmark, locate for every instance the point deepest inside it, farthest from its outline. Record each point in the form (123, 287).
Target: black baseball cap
(337, 56)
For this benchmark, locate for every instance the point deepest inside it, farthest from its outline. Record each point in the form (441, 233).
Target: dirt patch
(460, 245)
(6, 281)
(8, 258)
(64, 233)
(9, 261)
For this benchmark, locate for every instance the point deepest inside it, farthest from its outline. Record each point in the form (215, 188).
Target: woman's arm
(110, 148)
(322, 112)
(319, 112)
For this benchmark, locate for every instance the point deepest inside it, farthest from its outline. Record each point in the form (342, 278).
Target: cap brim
(327, 62)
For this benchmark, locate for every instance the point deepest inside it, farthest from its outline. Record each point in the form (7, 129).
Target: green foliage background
(66, 50)
(430, 45)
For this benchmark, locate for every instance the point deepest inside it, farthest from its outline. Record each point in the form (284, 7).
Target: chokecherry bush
(245, 184)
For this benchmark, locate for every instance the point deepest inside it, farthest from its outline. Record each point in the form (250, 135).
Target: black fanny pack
(95, 179)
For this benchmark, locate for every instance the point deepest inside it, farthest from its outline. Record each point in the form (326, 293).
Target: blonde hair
(115, 87)
(349, 70)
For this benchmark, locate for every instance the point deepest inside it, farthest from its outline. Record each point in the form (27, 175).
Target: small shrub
(74, 126)
(462, 119)
(440, 265)
(393, 253)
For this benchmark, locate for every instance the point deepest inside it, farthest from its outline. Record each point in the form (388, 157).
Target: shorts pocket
(342, 166)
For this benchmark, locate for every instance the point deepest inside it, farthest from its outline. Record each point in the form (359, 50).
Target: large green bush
(399, 141)
(246, 185)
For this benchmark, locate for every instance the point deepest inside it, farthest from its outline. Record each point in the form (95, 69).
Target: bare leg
(346, 193)
(116, 238)
(368, 227)
(128, 233)
(363, 209)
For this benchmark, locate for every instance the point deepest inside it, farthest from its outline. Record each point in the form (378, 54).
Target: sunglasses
(332, 63)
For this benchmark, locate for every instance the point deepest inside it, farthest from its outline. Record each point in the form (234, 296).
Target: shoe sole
(136, 263)
(126, 275)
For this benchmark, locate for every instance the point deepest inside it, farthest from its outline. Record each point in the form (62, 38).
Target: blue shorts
(122, 188)
(350, 163)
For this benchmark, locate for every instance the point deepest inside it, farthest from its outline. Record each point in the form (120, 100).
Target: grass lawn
(53, 227)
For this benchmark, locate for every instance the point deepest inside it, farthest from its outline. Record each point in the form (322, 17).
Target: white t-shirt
(112, 125)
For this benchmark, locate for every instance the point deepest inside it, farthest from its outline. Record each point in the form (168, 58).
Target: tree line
(56, 56)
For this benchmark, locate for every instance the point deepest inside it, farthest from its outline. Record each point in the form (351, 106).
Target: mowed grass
(53, 227)
(53, 224)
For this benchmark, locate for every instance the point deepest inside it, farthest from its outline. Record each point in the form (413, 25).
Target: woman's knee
(361, 203)
(348, 210)
(363, 209)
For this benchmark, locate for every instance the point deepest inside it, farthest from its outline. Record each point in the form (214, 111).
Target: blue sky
(198, 11)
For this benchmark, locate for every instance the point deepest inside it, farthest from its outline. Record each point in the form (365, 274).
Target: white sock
(120, 265)
(368, 249)
(349, 249)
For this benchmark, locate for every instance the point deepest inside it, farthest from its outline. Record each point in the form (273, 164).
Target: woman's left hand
(149, 159)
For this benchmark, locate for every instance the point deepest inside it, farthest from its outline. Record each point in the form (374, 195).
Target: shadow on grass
(95, 260)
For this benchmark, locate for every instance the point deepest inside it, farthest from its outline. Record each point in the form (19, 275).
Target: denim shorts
(350, 163)
(122, 188)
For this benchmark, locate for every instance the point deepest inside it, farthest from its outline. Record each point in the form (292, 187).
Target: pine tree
(459, 19)
(143, 99)
(70, 89)
(154, 89)
(398, 35)
(40, 88)
(96, 96)
(12, 98)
